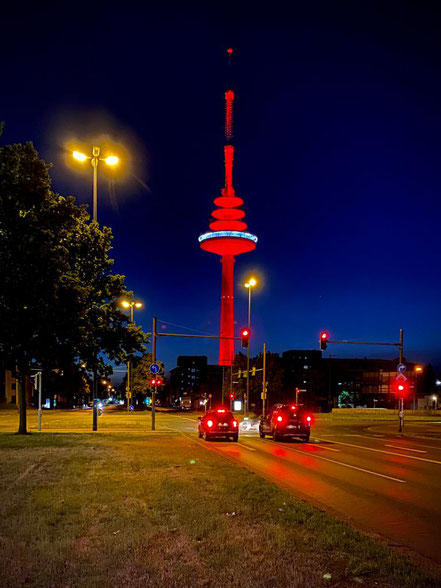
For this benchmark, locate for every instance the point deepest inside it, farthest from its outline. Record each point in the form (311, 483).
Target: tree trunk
(22, 430)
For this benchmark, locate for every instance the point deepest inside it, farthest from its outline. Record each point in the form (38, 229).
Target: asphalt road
(367, 474)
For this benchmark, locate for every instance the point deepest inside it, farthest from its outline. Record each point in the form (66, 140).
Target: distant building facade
(194, 378)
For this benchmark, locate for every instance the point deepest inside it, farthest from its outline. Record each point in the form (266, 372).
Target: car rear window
(221, 415)
(292, 410)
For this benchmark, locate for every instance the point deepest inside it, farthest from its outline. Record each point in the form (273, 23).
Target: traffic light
(401, 387)
(324, 340)
(253, 371)
(245, 337)
(155, 382)
(231, 396)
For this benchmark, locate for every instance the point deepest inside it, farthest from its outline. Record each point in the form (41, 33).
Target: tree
(58, 296)
(141, 375)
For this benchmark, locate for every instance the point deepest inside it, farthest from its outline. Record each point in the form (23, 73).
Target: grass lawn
(90, 510)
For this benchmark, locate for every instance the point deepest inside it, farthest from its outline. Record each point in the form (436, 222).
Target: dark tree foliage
(58, 296)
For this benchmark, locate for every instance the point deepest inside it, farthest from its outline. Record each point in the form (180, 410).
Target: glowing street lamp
(418, 369)
(94, 159)
(250, 285)
(130, 304)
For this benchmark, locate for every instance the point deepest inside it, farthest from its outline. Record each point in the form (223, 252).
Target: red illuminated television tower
(228, 238)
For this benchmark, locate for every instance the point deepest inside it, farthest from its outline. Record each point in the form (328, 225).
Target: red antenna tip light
(230, 51)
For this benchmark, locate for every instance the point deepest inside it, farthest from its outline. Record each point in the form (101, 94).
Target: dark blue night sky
(338, 151)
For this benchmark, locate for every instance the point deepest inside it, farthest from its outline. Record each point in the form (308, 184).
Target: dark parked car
(218, 423)
(285, 421)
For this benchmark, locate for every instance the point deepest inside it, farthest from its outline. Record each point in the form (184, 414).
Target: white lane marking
(324, 447)
(415, 457)
(245, 447)
(406, 448)
(346, 465)
(364, 436)
(428, 446)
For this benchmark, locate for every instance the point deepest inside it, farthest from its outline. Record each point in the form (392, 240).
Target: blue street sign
(401, 368)
(154, 368)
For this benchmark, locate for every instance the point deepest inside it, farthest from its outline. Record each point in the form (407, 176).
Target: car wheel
(235, 437)
(306, 439)
(200, 435)
(207, 436)
(276, 436)
(261, 435)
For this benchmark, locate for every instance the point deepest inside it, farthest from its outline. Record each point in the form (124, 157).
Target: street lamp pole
(111, 160)
(94, 162)
(418, 369)
(94, 159)
(251, 282)
(247, 406)
(131, 305)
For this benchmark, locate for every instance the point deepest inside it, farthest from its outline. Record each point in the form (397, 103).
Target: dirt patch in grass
(116, 510)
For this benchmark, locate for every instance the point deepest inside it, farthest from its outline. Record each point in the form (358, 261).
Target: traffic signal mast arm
(324, 341)
(196, 336)
(362, 343)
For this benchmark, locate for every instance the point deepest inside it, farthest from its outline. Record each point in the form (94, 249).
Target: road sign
(401, 368)
(154, 368)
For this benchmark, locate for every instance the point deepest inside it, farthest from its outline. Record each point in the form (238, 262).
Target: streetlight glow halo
(79, 156)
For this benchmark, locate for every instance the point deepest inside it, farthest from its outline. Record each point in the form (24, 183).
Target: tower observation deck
(228, 237)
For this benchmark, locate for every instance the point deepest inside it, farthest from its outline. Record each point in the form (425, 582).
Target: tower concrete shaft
(226, 345)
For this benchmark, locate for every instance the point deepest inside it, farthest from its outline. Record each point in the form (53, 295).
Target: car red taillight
(279, 419)
(235, 424)
(308, 418)
(210, 424)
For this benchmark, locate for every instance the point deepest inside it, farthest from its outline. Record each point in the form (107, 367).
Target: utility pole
(153, 361)
(401, 400)
(264, 389)
(94, 406)
(40, 376)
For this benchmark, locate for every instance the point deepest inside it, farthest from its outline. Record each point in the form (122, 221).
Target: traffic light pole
(155, 335)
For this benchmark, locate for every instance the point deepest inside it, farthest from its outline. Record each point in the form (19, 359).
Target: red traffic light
(155, 382)
(401, 387)
(324, 336)
(231, 396)
(245, 336)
